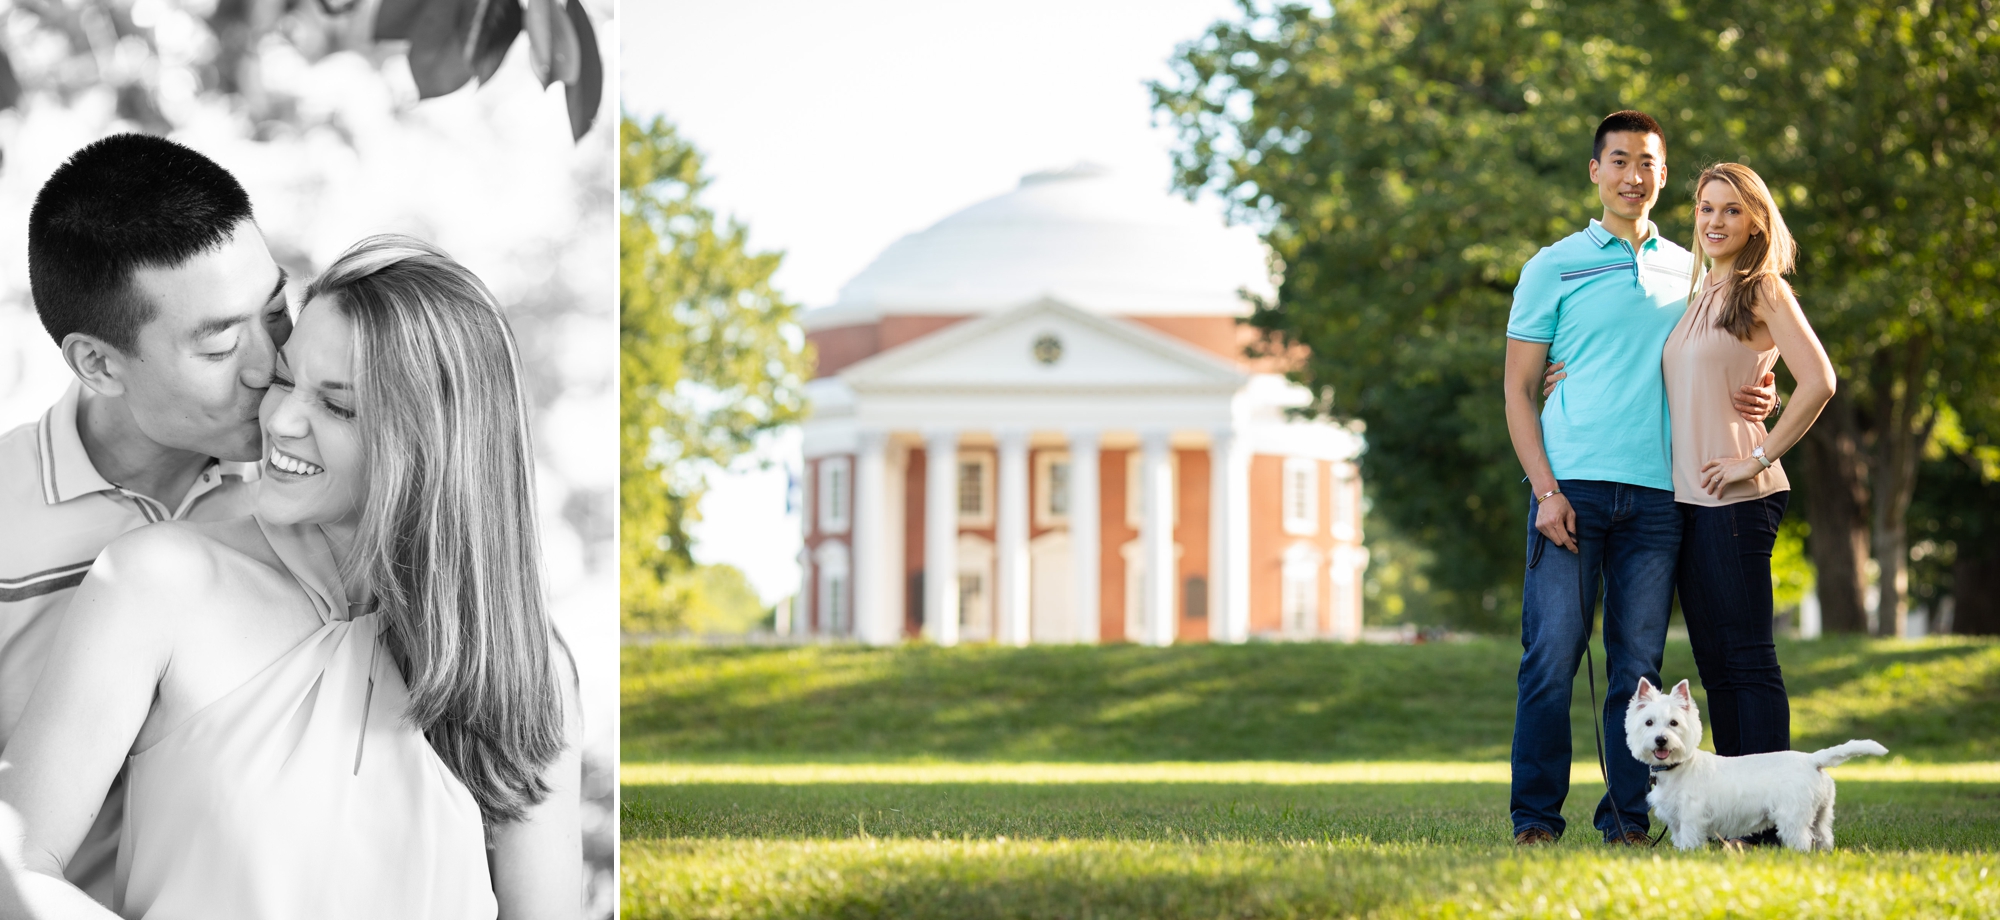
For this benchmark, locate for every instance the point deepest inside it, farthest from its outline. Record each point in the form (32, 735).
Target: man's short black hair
(128, 201)
(1627, 120)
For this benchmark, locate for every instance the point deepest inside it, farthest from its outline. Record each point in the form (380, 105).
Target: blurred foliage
(1408, 157)
(448, 43)
(715, 599)
(1791, 571)
(1955, 530)
(710, 356)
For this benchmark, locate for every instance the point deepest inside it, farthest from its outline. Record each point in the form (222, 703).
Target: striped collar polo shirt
(1605, 310)
(56, 514)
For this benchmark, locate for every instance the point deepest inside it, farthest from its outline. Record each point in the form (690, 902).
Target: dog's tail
(1838, 754)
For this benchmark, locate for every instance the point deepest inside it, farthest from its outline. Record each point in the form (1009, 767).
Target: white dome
(1079, 235)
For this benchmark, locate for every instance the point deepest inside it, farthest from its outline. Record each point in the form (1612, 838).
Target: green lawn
(1254, 781)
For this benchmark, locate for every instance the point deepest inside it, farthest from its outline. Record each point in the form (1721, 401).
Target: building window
(1135, 487)
(1051, 489)
(1299, 600)
(836, 495)
(835, 609)
(1194, 598)
(975, 588)
(1346, 503)
(1301, 495)
(975, 490)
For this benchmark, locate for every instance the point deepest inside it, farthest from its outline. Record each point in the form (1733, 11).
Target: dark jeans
(1629, 536)
(1725, 586)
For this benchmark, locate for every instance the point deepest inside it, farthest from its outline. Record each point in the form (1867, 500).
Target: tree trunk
(1836, 494)
(1976, 589)
(1903, 424)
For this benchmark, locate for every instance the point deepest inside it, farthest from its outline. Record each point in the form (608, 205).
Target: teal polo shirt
(1605, 311)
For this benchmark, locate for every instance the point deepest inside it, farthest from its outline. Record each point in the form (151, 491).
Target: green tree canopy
(1408, 157)
(449, 43)
(710, 357)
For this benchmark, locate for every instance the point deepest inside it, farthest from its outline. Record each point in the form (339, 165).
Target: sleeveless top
(303, 793)
(1704, 366)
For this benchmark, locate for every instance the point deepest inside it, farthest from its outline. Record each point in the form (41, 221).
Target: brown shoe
(1632, 839)
(1534, 837)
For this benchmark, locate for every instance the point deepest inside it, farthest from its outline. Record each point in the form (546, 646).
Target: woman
(351, 704)
(1731, 490)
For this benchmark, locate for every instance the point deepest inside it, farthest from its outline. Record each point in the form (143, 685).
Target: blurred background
(339, 130)
(1402, 161)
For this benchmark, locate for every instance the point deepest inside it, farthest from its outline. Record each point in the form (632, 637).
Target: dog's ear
(1683, 694)
(1646, 691)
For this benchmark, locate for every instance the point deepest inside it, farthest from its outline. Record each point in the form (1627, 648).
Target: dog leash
(1591, 671)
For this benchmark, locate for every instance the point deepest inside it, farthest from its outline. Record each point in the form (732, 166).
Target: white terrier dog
(1702, 797)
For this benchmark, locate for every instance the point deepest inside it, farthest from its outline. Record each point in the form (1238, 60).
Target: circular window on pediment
(1048, 348)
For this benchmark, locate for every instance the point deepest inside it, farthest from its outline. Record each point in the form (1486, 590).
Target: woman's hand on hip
(1717, 475)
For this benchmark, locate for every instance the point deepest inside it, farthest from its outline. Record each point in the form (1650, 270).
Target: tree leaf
(586, 92)
(397, 19)
(552, 43)
(494, 27)
(437, 46)
(10, 87)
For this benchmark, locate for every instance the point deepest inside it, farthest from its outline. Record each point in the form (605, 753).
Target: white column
(1156, 539)
(1011, 533)
(1084, 539)
(895, 552)
(802, 608)
(1348, 564)
(941, 537)
(1228, 539)
(873, 620)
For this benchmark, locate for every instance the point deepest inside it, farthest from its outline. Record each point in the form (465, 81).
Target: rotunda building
(1035, 421)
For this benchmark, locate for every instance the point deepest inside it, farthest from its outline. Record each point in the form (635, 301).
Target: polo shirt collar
(1603, 237)
(67, 472)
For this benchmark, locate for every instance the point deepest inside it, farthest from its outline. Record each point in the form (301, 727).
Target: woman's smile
(298, 467)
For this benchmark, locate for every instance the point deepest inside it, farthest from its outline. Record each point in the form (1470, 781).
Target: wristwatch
(1758, 455)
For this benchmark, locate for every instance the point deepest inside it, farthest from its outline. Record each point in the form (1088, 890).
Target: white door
(1051, 589)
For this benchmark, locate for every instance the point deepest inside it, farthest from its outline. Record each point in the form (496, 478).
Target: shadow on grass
(1317, 702)
(1951, 817)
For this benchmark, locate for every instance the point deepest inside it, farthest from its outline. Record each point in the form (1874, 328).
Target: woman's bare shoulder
(1774, 294)
(182, 558)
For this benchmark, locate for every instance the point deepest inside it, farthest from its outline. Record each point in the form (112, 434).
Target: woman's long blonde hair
(1763, 261)
(447, 536)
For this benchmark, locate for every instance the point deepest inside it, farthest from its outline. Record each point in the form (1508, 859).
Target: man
(149, 271)
(1601, 302)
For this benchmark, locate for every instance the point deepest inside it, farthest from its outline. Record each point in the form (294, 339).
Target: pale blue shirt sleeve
(1533, 317)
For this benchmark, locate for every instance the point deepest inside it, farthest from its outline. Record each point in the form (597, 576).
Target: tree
(1409, 157)
(449, 42)
(710, 357)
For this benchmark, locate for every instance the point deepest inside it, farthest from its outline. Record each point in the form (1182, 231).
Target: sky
(832, 129)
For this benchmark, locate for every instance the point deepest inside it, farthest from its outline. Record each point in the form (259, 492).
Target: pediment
(1046, 345)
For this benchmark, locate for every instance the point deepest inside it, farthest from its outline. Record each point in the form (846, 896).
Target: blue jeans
(1725, 587)
(1629, 536)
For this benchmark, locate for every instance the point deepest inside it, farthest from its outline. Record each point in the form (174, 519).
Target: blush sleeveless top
(304, 793)
(1703, 366)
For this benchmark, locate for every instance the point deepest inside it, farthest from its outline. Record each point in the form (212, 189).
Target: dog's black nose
(1660, 741)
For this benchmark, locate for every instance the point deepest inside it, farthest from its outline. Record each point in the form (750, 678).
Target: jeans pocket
(1535, 551)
